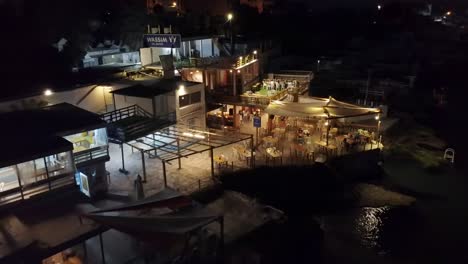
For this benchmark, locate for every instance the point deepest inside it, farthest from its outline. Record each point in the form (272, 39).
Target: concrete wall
(151, 55)
(122, 101)
(145, 55)
(164, 104)
(193, 114)
(207, 47)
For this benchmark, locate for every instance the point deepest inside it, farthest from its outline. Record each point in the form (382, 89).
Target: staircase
(132, 122)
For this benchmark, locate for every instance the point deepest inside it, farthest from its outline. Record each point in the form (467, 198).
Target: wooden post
(102, 249)
(252, 157)
(256, 136)
(212, 162)
(122, 170)
(19, 181)
(328, 130)
(47, 174)
(178, 153)
(164, 173)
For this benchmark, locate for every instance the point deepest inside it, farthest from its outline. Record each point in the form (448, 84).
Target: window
(184, 100)
(195, 98)
(88, 139)
(35, 177)
(189, 99)
(59, 164)
(8, 178)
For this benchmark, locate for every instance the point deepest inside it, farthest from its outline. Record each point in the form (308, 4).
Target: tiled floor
(193, 169)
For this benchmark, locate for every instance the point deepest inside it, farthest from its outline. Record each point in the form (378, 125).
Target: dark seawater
(415, 234)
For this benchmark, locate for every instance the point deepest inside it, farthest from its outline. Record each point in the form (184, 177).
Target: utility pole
(230, 16)
(369, 71)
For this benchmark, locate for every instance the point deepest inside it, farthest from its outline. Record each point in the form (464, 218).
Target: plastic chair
(449, 155)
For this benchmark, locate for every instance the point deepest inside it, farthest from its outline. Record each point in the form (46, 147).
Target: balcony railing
(91, 154)
(122, 113)
(202, 62)
(39, 187)
(262, 100)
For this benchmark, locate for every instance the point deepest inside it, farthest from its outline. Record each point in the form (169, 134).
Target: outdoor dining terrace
(296, 141)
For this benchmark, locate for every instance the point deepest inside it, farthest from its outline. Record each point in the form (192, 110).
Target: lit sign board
(257, 121)
(162, 40)
(84, 184)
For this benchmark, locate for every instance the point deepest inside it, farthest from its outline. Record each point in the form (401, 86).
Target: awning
(315, 107)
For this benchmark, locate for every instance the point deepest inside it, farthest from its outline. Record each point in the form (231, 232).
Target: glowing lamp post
(230, 17)
(377, 117)
(48, 92)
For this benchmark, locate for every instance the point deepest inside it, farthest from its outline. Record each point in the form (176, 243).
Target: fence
(90, 154)
(122, 113)
(196, 185)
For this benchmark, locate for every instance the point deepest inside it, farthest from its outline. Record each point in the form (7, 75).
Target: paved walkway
(195, 170)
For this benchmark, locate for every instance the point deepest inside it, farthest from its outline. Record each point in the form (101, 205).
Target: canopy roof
(180, 141)
(316, 107)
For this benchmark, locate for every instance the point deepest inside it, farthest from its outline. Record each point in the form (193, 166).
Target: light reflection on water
(369, 224)
(364, 226)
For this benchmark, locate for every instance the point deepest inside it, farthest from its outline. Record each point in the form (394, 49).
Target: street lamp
(318, 65)
(48, 92)
(448, 13)
(379, 7)
(229, 17)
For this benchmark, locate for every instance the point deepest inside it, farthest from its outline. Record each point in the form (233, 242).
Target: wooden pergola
(180, 141)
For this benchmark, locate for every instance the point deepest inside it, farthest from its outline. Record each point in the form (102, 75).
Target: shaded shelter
(319, 108)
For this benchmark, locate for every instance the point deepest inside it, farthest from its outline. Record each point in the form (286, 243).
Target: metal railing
(91, 154)
(27, 191)
(140, 127)
(122, 113)
(196, 185)
(262, 100)
(197, 62)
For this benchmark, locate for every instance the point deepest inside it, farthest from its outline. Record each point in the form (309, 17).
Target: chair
(449, 155)
(334, 131)
(321, 158)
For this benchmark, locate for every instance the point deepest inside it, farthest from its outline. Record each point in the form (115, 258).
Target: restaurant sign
(162, 40)
(257, 121)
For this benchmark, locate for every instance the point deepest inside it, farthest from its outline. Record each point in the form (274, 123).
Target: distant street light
(318, 65)
(48, 92)
(448, 13)
(230, 16)
(174, 4)
(379, 7)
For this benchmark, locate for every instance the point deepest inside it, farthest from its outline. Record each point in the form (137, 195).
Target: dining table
(220, 160)
(274, 154)
(327, 147)
(245, 152)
